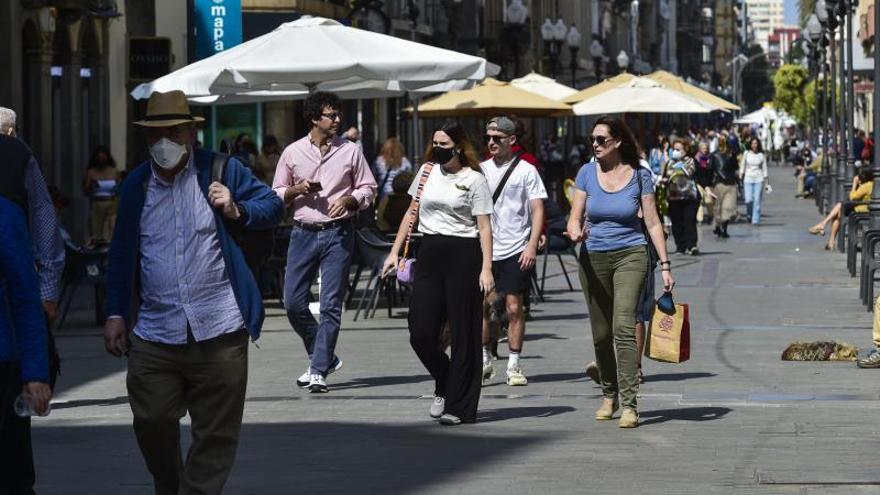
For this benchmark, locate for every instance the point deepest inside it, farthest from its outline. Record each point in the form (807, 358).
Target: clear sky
(791, 12)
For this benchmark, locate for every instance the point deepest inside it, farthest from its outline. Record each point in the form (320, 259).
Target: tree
(757, 87)
(791, 89)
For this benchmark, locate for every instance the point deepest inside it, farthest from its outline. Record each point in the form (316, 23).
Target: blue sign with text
(217, 26)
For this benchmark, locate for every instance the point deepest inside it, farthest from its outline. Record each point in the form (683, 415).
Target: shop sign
(216, 26)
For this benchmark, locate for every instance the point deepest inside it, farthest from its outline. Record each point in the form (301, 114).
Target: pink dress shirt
(343, 171)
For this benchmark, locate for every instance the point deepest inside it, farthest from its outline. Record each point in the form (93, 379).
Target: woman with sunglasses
(614, 191)
(454, 267)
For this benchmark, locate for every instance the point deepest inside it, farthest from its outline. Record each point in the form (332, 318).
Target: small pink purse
(406, 267)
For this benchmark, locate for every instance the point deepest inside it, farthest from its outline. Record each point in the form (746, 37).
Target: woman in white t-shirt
(753, 172)
(454, 266)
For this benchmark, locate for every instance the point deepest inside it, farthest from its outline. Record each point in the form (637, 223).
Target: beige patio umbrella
(674, 82)
(544, 86)
(490, 98)
(596, 89)
(641, 95)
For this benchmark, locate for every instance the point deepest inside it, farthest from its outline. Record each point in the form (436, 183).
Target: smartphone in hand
(314, 186)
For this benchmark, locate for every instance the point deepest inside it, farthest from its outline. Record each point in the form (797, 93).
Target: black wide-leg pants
(447, 288)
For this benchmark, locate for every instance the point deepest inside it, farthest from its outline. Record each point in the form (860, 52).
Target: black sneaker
(306, 378)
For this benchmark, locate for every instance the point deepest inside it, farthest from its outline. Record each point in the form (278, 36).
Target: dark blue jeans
(330, 251)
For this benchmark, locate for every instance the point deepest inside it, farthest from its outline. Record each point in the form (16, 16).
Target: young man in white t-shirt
(517, 221)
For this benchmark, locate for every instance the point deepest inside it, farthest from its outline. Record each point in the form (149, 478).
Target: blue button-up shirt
(45, 232)
(183, 274)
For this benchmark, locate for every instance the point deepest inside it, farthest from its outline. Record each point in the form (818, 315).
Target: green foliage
(790, 83)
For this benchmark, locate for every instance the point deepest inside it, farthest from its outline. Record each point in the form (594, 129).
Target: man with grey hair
(517, 222)
(22, 184)
(42, 220)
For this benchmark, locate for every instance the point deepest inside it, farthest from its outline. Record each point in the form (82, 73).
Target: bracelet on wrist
(666, 270)
(667, 262)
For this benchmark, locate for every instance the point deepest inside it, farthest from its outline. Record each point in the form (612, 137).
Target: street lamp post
(553, 36)
(622, 61)
(573, 40)
(813, 31)
(844, 176)
(515, 16)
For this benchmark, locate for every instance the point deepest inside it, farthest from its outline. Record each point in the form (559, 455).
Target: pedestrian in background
(101, 182)
(267, 161)
(682, 197)
(326, 180)
(43, 223)
(614, 192)
(390, 162)
(755, 178)
(724, 184)
(198, 301)
(454, 270)
(24, 361)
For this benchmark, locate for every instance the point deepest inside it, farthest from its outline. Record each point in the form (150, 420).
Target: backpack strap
(497, 193)
(426, 171)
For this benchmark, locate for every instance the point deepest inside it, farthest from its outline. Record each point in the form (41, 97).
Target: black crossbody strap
(500, 188)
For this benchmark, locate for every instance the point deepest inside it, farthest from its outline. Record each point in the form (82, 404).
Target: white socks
(513, 360)
(487, 358)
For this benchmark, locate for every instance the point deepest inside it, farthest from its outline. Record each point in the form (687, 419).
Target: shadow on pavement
(558, 377)
(698, 414)
(540, 336)
(381, 381)
(308, 457)
(559, 317)
(676, 377)
(493, 415)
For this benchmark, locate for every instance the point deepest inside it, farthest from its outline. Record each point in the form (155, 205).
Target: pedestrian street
(733, 419)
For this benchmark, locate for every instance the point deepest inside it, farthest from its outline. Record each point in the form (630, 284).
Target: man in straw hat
(198, 301)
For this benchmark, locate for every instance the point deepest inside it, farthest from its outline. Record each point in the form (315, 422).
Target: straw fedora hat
(167, 110)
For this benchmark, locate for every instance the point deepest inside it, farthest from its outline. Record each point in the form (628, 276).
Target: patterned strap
(426, 171)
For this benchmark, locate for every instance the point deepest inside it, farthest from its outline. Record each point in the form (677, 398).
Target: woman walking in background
(101, 183)
(615, 191)
(454, 267)
(725, 179)
(390, 162)
(756, 180)
(682, 197)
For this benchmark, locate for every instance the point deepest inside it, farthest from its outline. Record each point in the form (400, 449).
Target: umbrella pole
(415, 130)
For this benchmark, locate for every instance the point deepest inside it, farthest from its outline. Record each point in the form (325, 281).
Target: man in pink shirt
(326, 180)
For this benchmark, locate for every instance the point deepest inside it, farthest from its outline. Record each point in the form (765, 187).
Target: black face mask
(440, 155)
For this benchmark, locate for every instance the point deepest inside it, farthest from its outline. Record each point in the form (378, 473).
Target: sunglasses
(600, 140)
(332, 116)
(488, 138)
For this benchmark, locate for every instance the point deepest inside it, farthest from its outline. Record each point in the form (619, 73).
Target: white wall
(117, 93)
(171, 19)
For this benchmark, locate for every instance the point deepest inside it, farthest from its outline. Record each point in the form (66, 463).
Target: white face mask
(677, 154)
(166, 153)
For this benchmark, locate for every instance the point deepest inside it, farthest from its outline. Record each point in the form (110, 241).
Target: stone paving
(734, 419)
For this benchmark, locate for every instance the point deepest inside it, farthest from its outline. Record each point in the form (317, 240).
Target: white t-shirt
(512, 214)
(754, 167)
(450, 202)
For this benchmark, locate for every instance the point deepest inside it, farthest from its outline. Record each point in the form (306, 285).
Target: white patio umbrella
(641, 95)
(543, 85)
(314, 53)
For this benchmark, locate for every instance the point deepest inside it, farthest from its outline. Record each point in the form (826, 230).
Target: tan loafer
(629, 418)
(606, 412)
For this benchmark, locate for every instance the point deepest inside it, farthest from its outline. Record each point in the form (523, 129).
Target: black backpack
(257, 245)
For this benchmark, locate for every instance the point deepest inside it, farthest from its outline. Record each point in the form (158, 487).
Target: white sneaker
(317, 384)
(304, 379)
(437, 407)
(515, 377)
(488, 371)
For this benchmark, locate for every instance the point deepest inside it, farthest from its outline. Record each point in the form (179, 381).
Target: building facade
(765, 16)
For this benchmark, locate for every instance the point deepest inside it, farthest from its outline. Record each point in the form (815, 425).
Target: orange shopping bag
(669, 336)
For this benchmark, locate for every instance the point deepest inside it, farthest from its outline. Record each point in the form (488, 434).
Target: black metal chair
(373, 249)
(557, 246)
(83, 266)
